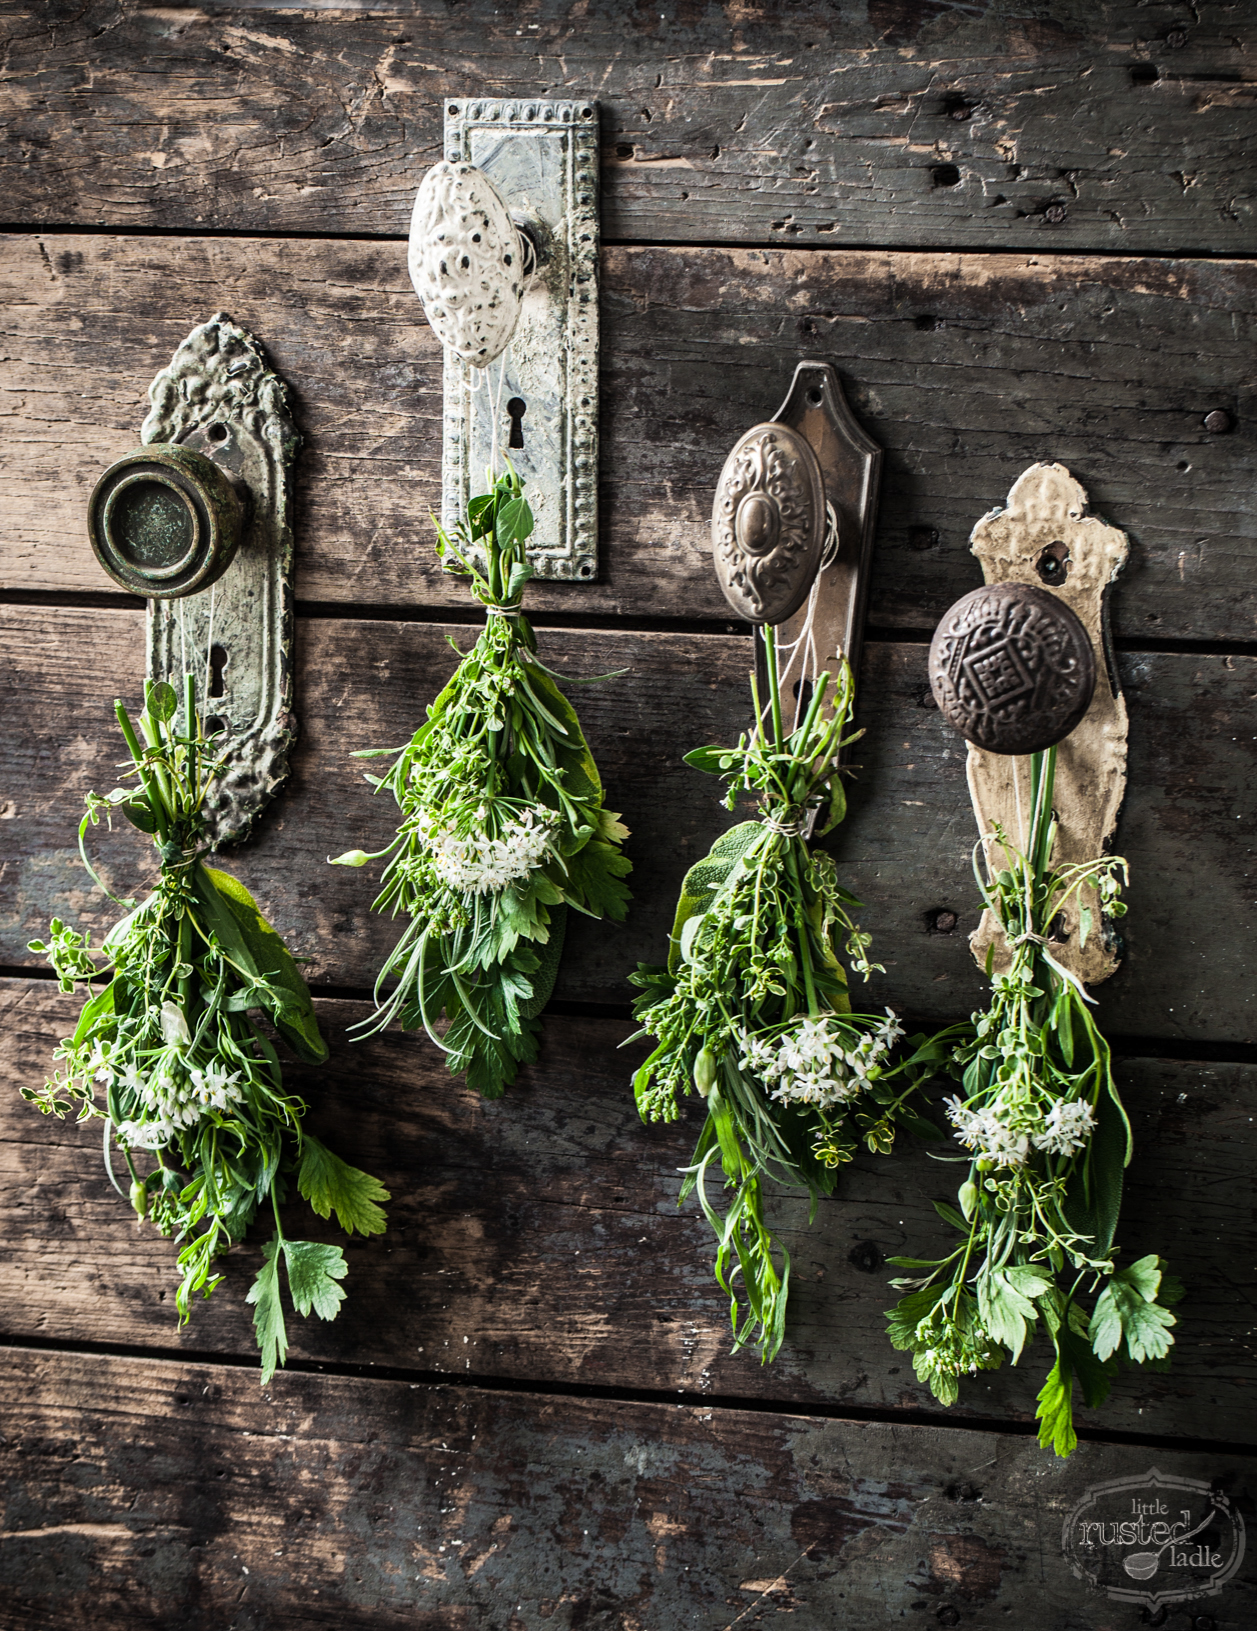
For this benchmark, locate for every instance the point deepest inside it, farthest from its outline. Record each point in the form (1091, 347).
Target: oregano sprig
(752, 1011)
(1049, 1141)
(504, 826)
(167, 1055)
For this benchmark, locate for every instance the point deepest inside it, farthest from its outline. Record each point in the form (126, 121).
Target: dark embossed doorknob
(1012, 668)
(165, 521)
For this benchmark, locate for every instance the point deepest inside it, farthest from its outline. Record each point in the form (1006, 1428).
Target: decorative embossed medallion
(768, 523)
(467, 262)
(220, 398)
(1012, 668)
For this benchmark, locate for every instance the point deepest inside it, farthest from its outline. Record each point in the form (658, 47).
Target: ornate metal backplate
(1012, 668)
(768, 523)
(543, 158)
(219, 397)
(1044, 536)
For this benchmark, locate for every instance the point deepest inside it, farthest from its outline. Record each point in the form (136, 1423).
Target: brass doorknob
(165, 521)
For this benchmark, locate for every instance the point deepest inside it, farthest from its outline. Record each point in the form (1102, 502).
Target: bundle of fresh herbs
(189, 1081)
(752, 1012)
(503, 825)
(1049, 1138)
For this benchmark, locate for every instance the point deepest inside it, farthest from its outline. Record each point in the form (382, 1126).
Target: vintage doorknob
(1012, 668)
(165, 521)
(768, 523)
(470, 262)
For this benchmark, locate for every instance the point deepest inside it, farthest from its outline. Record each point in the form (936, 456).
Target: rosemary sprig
(503, 825)
(1038, 1209)
(752, 1010)
(189, 1081)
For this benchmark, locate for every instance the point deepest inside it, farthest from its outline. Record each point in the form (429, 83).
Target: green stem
(155, 802)
(774, 683)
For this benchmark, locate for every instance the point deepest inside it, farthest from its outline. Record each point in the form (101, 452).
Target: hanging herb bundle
(752, 1011)
(503, 825)
(1038, 1211)
(188, 1080)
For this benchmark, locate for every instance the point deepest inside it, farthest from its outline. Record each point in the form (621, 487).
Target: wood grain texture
(539, 1238)
(904, 848)
(154, 1493)
(965, 368)
(1116, 125)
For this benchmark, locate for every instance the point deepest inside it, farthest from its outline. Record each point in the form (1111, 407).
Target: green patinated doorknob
(165, 521)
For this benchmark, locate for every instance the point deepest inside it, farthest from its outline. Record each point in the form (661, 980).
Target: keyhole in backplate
(516, 408)
(217, 663)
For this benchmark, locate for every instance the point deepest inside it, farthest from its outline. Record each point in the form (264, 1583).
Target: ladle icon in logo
(1155, 1538)
(1143, 1566)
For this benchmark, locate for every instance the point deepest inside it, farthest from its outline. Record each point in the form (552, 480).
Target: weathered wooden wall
(1018, 232)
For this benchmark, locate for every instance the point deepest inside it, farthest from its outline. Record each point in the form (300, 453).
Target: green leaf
(909, 1312)
(1028, 1279)
(1122, 1312)
(707, 878)
(268, 1315)
(949, 1215)
(161, 702)
(837, 806)
(93, 1011)
(1144, 1275)
(330, 1184)
(1004, 1312)
(514, 522)
(593, 880)
(295, 1021)
(1055, 1412)
(1093, 1201)
(313, 1273)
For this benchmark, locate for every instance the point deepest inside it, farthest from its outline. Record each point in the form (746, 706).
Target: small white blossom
(145, 1135)
(475, 863)
(174, 1026)
(100, 1067)
(812, 1064)
(1066, 1127)
(984, 1131)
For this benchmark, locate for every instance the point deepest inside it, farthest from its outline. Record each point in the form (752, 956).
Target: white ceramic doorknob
(469, 262)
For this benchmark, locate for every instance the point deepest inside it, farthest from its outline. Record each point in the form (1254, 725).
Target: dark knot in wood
(1012, 668)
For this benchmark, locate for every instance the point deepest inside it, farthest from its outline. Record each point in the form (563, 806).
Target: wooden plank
(151, 1493)
(966, 368)
(539, 1238)
(1120, 125)
(905, 848)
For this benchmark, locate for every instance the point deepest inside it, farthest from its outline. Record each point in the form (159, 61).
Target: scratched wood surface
(1018, 233)
(1100, 126)
(572, 1264)
(904, 849)
(965, 368)
(141, 1493)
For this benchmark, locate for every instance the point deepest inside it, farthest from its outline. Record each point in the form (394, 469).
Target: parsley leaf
(327, 1183)
(268, 1315)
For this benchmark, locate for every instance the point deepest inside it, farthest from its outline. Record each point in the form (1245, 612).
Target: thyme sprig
(752, 1010)
(503, 825)
(1050, 1139)
(189, 1081)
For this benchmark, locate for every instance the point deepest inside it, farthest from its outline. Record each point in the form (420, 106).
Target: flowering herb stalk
(192, 1089)
(503, 825)
(752, 1011)
(1049, 1140)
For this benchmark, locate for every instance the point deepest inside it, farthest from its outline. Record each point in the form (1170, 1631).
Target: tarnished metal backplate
(851, 467)
(1045, 536)
(768, 523)
(543, 157)
(220, 397)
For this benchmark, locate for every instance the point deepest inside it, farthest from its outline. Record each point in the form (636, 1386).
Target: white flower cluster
(815, 1064)
(1065, 1129)
(175, 1096)
(478, 864)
